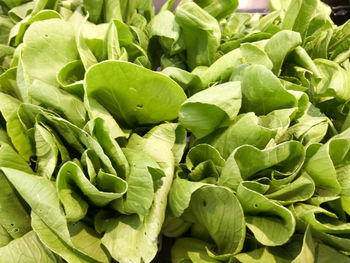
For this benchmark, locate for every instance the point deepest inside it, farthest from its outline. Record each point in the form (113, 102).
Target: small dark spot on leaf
(16, 230)
(12, 224)
(204, 203)
(256, 205)
(46, 35)
(139, 106)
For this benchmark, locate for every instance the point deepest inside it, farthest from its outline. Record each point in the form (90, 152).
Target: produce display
(227, 132)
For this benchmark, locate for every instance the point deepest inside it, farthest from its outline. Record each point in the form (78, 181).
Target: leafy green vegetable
(227, 132)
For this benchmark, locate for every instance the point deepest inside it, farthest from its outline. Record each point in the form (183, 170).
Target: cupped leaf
(277, 51)
(211, 108)
(94, 8)
(167, 30)
(301, 189)
(282, 162)
(180, 195)
(204, 161)
(196, 24)
(215, 208)
(70, 78)
(48, 46)
(140, 194)
(263, 92)
(311, 127)
(75, 137)
(328, 165)
(271, 223)
(148, 99)
(71, 176)
(87, 57)
(321, 219)
(334, 81)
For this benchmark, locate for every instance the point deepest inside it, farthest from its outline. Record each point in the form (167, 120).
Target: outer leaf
(134, 239)
(56, 244)
(27, 249)
(327, 254)
(150, 98)
(45, 202)
(14, 217)
(88, 241)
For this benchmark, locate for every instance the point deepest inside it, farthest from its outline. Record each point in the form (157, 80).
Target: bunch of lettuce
(229, 132)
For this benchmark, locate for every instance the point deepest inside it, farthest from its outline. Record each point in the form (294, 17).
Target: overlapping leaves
(238, 147)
